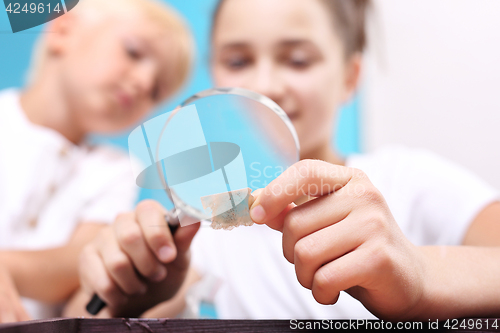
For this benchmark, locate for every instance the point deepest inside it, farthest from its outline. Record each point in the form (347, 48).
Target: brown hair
(349, 17)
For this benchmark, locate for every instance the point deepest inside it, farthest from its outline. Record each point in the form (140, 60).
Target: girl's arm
(460, 281)
(485, 229)
(347, 240)
(463, 280)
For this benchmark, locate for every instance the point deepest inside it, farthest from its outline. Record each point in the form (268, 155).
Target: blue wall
(15, 52)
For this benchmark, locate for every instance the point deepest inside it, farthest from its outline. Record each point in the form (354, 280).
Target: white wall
(432, 80)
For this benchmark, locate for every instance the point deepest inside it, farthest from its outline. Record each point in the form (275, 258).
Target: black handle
(96, 304)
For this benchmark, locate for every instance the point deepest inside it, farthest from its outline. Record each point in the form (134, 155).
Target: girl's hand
(11, 308)
(136, 263)
(344, 239)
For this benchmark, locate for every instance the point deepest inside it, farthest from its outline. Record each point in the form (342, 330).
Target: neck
(44, 104)
(325, 153)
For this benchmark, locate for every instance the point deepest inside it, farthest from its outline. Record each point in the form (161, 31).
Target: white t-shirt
(432, 200)
(49, 185)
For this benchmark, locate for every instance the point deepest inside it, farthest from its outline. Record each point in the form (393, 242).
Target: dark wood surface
(76, 325)
(145, 326)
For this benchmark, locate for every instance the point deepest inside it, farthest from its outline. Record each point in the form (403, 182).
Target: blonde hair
(157, 12)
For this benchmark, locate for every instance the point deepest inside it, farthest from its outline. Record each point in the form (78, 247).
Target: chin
(100, 126)
(112, 128)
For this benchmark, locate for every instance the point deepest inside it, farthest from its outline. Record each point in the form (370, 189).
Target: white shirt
(432, 200)
(49, 185)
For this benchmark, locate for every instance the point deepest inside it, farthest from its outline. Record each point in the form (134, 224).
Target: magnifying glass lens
(210, 153)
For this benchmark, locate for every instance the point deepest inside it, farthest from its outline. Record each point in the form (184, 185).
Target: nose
(143, 79)
(267, 80)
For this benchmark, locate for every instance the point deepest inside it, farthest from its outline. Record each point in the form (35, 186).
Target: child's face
(287, 50)
(114, 71)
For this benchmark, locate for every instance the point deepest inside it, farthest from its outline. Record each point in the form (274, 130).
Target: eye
(237, 63)
(133, 52)
(298, 61)
(298, 58)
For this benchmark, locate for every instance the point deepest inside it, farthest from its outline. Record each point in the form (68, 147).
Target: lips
(125, 100)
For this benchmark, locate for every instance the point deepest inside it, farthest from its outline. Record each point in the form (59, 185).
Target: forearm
(49, 275)
(460, 281)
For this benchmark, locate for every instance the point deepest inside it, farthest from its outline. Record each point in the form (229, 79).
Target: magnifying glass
(209, 154)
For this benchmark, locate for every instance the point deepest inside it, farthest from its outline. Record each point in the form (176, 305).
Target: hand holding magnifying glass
(136, 262)
(208, 155)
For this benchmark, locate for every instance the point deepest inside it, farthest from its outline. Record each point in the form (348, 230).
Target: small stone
(229, 209)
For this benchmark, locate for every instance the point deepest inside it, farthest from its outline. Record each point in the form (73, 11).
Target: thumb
(277, 222)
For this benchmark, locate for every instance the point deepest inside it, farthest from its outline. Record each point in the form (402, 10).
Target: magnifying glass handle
(96, 304)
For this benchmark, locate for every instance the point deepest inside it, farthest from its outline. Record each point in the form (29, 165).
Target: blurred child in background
(100, 68)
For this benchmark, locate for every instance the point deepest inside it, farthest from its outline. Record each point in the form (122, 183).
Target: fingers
(120, 268)
(131, 240)
(306, 177)
(151, 217)
(312, 216)
(11, 307)
(146, 239)
(298, 221)
(95, 278)
(124, 256)
(277, 222)
(22, 315)
(346, 272)
(322, 247)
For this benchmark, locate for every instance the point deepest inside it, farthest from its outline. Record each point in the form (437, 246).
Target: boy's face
(113, 70)
(287, 50)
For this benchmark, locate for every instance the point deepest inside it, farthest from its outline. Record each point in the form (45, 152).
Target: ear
(57, 32)
(352, 75)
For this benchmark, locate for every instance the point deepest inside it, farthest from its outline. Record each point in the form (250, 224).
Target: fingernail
(258, 214)
(251, 200)
(160, 274)
(166, 253)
